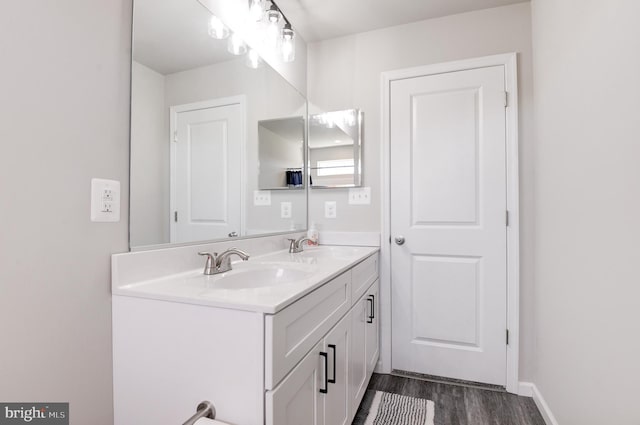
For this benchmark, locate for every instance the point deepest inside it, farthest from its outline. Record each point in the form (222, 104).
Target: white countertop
(318, 264)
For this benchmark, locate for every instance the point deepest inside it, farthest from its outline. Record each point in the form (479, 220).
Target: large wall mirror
(212, 126)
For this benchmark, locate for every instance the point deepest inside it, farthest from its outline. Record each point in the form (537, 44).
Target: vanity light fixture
(236, 46)
(288, 45)
(280, 34)
(217, 29)
(273, 25)
(274, 14)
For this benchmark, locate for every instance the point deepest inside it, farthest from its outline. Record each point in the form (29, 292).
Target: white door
(206, 172)
(448, 202)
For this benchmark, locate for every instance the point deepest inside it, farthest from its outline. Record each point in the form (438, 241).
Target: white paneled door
(448, 222)
(206, 171)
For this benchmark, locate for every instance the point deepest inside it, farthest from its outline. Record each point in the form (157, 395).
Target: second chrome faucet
(220, 263)
(295, 245)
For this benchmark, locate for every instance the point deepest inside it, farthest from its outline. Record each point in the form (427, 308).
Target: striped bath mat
(394, 409)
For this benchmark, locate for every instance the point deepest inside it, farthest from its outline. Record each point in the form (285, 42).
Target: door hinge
(507, 336)
(506, 217)
(506, 99)
(175, 216)
(175, 137)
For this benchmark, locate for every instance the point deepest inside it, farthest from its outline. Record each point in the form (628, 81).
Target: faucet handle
(211, 259)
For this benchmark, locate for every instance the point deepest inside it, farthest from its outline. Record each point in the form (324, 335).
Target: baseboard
(529, 389)
(525, 389)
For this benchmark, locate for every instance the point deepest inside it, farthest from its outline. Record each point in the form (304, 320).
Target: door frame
(173, 123)
(509, 61)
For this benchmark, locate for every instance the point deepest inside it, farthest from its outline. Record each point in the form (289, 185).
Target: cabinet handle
(333, 347)
(326, 370)
(373, 306)
(372, 300)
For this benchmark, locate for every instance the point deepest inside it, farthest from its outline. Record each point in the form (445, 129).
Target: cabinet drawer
(363, 275)
(292, 332)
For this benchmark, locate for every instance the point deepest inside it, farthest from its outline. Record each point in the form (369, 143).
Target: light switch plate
(330, 209)
(105, 200)
(261, 198)
(360, 196)
(285, 209)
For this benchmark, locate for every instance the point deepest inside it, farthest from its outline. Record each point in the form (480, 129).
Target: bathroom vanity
(282, 339)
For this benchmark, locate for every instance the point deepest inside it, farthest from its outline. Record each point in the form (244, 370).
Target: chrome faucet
(295, 245)
(220, 263)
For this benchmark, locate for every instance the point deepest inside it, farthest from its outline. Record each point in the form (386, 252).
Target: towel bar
(204, 410)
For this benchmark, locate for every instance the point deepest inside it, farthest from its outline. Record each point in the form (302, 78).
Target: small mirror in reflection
(281, 153)
(335, 149)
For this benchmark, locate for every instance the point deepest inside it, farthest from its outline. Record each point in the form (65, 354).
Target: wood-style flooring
(456, 404)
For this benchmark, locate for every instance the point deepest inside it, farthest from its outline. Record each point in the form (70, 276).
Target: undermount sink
(258, 276)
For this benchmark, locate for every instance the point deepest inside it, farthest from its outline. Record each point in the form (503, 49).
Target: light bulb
(236, 45)
(256, 9)
(217, 29)
(273, 14)
(288, 45)
(253, 59)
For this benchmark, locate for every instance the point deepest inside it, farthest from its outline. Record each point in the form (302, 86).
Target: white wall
(64, 81)
(149, 220)
(346, 73)
(587, 106)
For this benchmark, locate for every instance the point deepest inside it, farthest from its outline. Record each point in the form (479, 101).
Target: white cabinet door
(298, 399)
(357, 360)
(372, 328)
(336, 401)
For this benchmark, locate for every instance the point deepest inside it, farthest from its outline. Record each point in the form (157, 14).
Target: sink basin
(259, 276)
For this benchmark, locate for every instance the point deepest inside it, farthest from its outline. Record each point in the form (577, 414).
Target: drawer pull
(326, 371)
(372, 300)
(333, 380)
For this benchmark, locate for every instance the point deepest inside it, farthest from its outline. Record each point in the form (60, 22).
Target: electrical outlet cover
(105, 200)
(285, 209)
(330, 209)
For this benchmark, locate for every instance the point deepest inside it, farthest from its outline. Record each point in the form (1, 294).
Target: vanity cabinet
(308, 363)
(341, 363)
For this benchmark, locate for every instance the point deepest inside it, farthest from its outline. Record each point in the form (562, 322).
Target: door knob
(399, 240)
